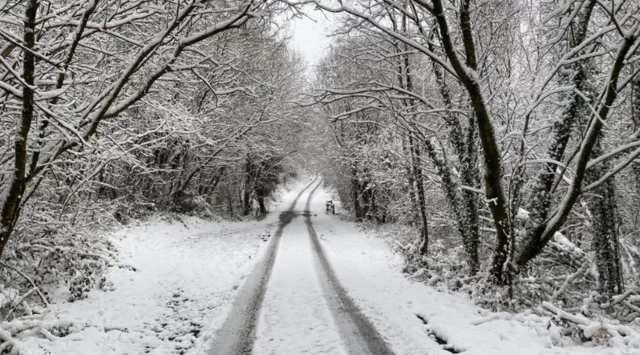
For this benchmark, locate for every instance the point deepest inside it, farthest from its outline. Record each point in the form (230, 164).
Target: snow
(565, 243)
(371, 273)
(522, 214)
(295, 317)
(175, 282)
(173, 285)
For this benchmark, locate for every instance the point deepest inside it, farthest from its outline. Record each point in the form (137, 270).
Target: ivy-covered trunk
(251, 173)
(635, 116)
(540, 200)
(636, 217)
(355, 194)
(416, 158)
(602, 203)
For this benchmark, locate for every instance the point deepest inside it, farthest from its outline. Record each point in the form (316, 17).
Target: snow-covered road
(317, 285)
(295, 317)
(335, 290)
(398, 308)
(299, 304)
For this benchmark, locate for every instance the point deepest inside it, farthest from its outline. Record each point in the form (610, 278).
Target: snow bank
(417, 319)
(171, 289)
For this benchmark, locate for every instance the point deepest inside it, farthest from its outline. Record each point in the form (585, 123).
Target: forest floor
(298, 282)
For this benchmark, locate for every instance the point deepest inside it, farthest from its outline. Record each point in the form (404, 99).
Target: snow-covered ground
(176, 282)
(371, 273)
(173, 286)
(295, 317)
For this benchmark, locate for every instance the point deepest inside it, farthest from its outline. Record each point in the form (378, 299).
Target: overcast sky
(310, 38)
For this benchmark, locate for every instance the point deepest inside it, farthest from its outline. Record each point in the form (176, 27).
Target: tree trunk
(635, 109)
(246, 201)
(415, 216)
(16, 186)
(464, 204)
(636, 201)
(263, 207)
(494, 193)
(540, 204)
(602, 204)
(468, 177)
(355, 194)
(213, 184)
(539, 236)
(229, 202)
(416, 159)
(251, 176)
(422, 202)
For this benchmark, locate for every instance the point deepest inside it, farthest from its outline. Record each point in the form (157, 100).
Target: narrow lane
(293, 302)
(358, 334)
(295, 316)
(236, 337)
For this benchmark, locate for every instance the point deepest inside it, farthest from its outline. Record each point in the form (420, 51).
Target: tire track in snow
(359, 335)
(237, 334)
(295, 318)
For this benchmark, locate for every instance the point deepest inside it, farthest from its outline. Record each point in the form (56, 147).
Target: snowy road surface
(295, 315)
(237, 334)
(304, 310)
(335, 290)
(298, 282)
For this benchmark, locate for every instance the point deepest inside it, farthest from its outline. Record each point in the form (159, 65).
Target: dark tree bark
(355, 194)
(412, 181)
(215, 180)
(263, 207)
(416, 160)
(9, 211)
(636, 166)
(462, 201)
(561, 132)
(248, 187)
(229, 196)
(539, 236)
(91, 7)
(494, 194)
(422, 201)
(407, 144)
(602, 203)
(416, 176)
(469, 177)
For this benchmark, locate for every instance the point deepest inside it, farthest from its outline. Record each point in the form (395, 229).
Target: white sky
(309, 38)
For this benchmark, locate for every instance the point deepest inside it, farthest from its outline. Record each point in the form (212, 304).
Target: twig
(565, 315)
(44, 299)
(569, 280)
(18, 303)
